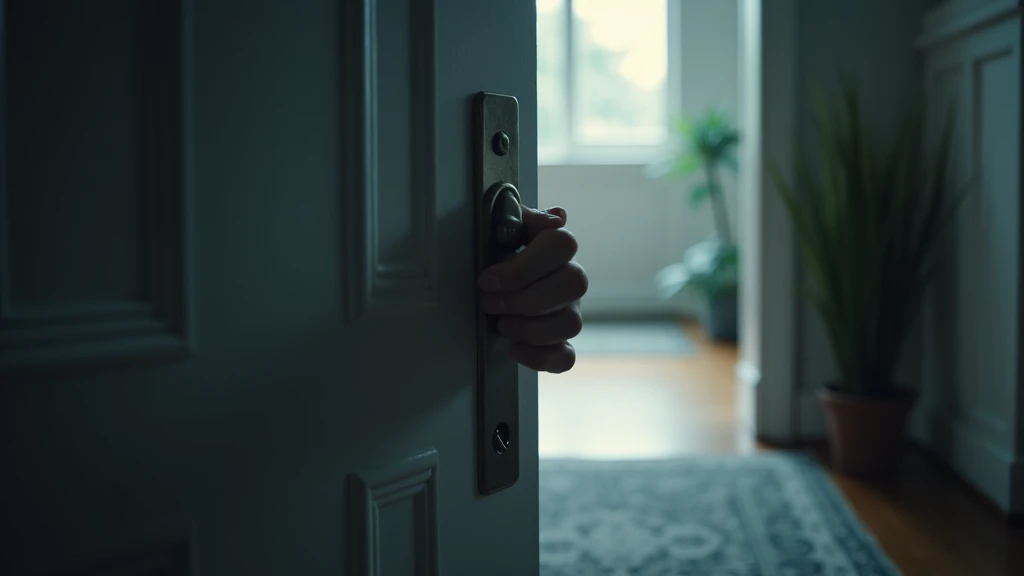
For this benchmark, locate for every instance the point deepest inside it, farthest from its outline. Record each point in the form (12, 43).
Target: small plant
(868, 229)
(706, 145)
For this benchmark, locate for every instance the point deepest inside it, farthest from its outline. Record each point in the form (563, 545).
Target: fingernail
(493, 305)
(490, 283)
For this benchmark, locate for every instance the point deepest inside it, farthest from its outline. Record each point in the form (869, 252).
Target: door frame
(766, 374)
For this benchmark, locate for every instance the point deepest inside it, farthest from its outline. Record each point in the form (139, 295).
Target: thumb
(535, 221)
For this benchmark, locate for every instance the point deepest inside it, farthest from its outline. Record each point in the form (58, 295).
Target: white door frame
(767, 378)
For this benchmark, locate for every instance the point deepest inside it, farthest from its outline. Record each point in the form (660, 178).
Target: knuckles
(575, 322)
(566, 361)
(577, 280)
(565, 241)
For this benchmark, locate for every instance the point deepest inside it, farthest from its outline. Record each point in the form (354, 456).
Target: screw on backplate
(500, 144)
(499, 439)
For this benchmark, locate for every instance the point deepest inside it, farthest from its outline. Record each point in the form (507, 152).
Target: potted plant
(709, 268)
(869, 230)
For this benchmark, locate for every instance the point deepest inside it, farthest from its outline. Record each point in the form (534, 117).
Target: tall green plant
(869, 228)
(706, 144)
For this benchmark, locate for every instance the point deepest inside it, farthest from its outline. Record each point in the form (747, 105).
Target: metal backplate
(496, 165)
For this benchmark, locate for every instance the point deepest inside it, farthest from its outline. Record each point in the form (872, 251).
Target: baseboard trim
(747, 379)
(990, 470)
(820, 449)
(747, 375)
(1012, 518)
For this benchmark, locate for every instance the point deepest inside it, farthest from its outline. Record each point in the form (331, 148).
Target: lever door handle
(500, 235)
(506, 218)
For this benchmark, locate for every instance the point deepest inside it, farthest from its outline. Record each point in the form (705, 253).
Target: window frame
(569, 152)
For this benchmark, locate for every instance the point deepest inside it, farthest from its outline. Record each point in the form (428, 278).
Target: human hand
(537, 294)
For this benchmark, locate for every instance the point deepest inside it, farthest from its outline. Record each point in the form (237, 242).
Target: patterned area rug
(757, 515)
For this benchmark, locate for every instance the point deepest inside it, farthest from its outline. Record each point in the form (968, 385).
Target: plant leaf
(683, 127)
(729, 161)
(869, 230)
(699, 193)
(675, 167)
(670, 280)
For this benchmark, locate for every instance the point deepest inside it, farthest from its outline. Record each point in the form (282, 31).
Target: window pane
(551, 73)
(620, 61)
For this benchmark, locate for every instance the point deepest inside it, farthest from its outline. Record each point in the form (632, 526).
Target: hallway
(929, 521)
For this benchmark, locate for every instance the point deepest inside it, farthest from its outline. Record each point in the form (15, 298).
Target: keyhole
(500, 440)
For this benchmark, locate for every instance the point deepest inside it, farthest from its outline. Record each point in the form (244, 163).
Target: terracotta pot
(866, 435)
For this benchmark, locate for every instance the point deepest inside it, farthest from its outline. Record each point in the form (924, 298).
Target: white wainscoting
(971, 382)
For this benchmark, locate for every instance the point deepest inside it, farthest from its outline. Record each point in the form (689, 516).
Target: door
(238, 324)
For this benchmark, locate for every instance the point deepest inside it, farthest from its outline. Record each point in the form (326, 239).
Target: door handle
(500, 235)
(505, 206)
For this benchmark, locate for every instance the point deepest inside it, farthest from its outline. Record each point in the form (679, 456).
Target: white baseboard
(990, 469)
(747, 375)
(747, 379)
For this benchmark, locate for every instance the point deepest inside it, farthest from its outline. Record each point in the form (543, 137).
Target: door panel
(94, 255)
(252, 259)
(391, 147)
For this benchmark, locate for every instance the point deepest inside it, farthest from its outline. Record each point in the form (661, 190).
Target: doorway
(614, 80)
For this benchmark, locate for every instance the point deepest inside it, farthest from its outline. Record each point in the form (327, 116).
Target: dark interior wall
(872, 42)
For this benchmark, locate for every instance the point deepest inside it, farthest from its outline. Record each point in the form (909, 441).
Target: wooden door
(238, 324)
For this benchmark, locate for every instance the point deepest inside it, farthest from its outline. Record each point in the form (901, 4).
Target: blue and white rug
(766, 514)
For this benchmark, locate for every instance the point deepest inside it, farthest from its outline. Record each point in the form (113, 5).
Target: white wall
(629, 226)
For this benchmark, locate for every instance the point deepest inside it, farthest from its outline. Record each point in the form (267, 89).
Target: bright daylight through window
(602, 79)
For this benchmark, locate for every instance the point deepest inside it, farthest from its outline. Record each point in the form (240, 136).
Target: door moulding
(415, 479)
(157, 323)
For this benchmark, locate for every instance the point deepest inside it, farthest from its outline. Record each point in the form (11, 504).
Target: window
(606, 81)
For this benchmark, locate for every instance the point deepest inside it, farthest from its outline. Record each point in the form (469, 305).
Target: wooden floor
(927, 520)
